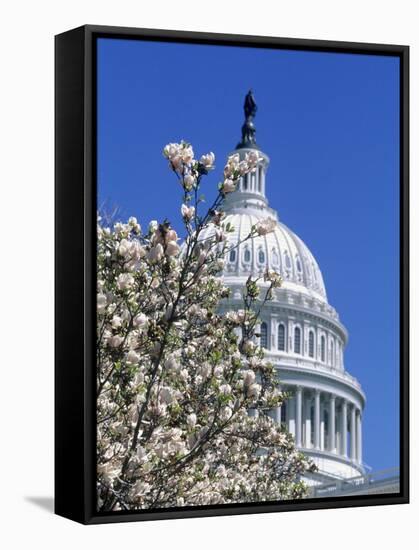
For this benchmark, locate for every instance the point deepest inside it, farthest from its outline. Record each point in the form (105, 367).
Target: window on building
(297, 340)
(299, 267)
(287, 260)
(264, 335)
(311, 343)
(281, 338)
(247, 255)
(323, 348)
(261, 257)
(232, 256)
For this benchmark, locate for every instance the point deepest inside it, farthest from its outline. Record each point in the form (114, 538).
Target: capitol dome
(300, 331)
(282, 251)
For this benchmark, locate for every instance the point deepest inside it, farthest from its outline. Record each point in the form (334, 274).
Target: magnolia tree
(175, 379)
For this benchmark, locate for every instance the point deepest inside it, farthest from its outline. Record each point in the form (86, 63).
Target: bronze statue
(248, 128)
(250, 106)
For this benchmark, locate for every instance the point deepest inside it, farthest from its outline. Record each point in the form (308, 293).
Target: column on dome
(304, 338)
(317, 419)
(276, 414)
(262, 183)
(274, 333)
(298, 416)
(307, 419)
(358, 437)
(291, 415)
(290, 332)
(338, 431)
(353, 432)
(332, 426)
(344, 428)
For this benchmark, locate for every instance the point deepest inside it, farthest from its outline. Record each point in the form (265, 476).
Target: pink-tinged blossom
(265, 226)
(140, 320)
(125, 281)
(188, 212)
(228, 186)
(156, 253)
(208, 161)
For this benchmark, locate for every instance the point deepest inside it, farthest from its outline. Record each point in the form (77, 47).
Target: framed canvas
(231, 274)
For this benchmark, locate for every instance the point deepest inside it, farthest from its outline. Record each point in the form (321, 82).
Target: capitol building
(300, 330)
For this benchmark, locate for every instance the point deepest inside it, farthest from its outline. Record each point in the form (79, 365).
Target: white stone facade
(301, 333)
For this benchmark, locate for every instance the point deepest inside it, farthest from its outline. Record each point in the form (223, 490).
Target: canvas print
(247, 275)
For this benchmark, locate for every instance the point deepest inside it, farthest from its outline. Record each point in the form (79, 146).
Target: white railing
(315, 366)
(362, 482)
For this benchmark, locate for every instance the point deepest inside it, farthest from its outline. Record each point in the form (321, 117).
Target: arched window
(299, 267)
(323, 349)
(287, 260)
(247, 255)
(332, 354)
(232, 256)
(281, 337)
(311, 343)
(297, 340)
(264, 335)
(261, 256)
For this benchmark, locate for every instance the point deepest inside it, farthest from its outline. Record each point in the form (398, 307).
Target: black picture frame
(75, 234)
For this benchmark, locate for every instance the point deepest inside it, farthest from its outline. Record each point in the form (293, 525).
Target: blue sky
(330, 125)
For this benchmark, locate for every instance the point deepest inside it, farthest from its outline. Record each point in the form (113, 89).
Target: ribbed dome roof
(282, 251)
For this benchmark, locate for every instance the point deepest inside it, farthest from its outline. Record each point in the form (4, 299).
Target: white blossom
(191, 420)
(189, 182)
(132, 357)
(156, 253)
(125, 281)
(188, 212)
(228, 186)
(140, 320)
(172, 248)
(265, 226)
(208, 161)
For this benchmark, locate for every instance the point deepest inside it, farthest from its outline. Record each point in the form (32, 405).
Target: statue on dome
(248, 128)
(250, 106)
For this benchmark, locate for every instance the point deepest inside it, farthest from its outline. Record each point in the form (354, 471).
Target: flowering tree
(175, 379)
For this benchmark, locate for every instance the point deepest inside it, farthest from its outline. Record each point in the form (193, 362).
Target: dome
(299, 330)
(281, 251)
